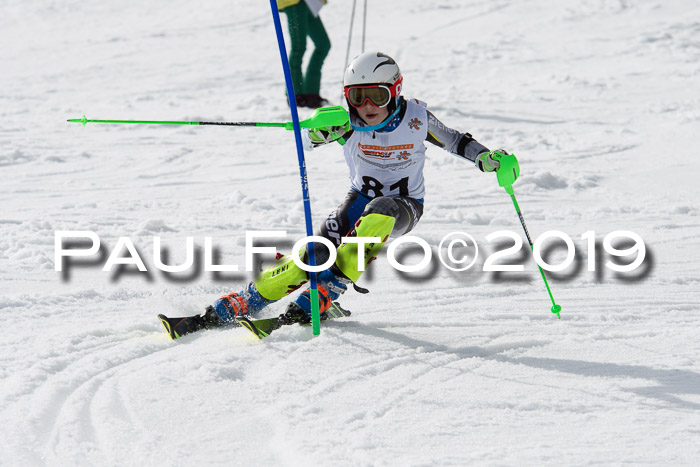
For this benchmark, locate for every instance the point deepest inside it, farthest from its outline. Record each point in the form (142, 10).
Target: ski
(181, 326)
(178, 327)
(262, 328)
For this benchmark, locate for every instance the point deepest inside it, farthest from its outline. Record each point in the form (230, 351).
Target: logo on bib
(386, 152)
(415, 124)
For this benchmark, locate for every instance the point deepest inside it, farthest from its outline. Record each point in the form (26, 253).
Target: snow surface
(599, 99)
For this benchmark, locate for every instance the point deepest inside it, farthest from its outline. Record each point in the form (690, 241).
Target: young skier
(385, 152)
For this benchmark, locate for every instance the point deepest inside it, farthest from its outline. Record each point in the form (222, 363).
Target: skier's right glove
(319, 136)
(488, 161)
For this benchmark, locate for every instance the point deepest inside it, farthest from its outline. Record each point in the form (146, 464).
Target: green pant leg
(322, 45)
(281, 279)
(297, 17)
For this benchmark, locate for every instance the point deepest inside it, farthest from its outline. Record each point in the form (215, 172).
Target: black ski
(178, 327)
(263, 327)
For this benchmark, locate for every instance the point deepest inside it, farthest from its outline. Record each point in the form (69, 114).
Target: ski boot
(222, 313)
(247, 302)
(293, 314)
(331, 284)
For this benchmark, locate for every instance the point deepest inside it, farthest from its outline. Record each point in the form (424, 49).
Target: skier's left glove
(319, 136)
(489, 161)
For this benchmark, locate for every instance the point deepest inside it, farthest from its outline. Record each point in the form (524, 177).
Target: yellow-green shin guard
(369, 225)
(282, 278)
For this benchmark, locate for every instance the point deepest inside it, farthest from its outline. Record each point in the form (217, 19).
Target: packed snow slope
(600, 101)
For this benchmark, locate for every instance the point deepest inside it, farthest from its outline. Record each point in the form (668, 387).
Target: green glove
(319, 136)
(508, 171)
(489, 161)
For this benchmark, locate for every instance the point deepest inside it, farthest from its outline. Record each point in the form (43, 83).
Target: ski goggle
(379, 95)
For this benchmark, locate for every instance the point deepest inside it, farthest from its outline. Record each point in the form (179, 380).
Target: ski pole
(364, 26)
(347, 52)
(323, 117)
(507, 173)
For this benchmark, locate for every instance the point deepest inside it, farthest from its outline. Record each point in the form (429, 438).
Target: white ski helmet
(368, 70)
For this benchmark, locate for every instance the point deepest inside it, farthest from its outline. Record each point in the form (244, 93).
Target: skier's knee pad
(281, 279)
(406, 211)
(382, 205)
(372, 224)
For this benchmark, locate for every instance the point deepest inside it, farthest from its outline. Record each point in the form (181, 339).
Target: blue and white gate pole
(315, 318)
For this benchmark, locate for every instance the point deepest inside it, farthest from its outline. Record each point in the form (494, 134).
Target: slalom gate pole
(315, 318)
(507, 173)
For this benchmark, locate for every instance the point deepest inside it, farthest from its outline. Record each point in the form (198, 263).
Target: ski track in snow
(599, 100)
